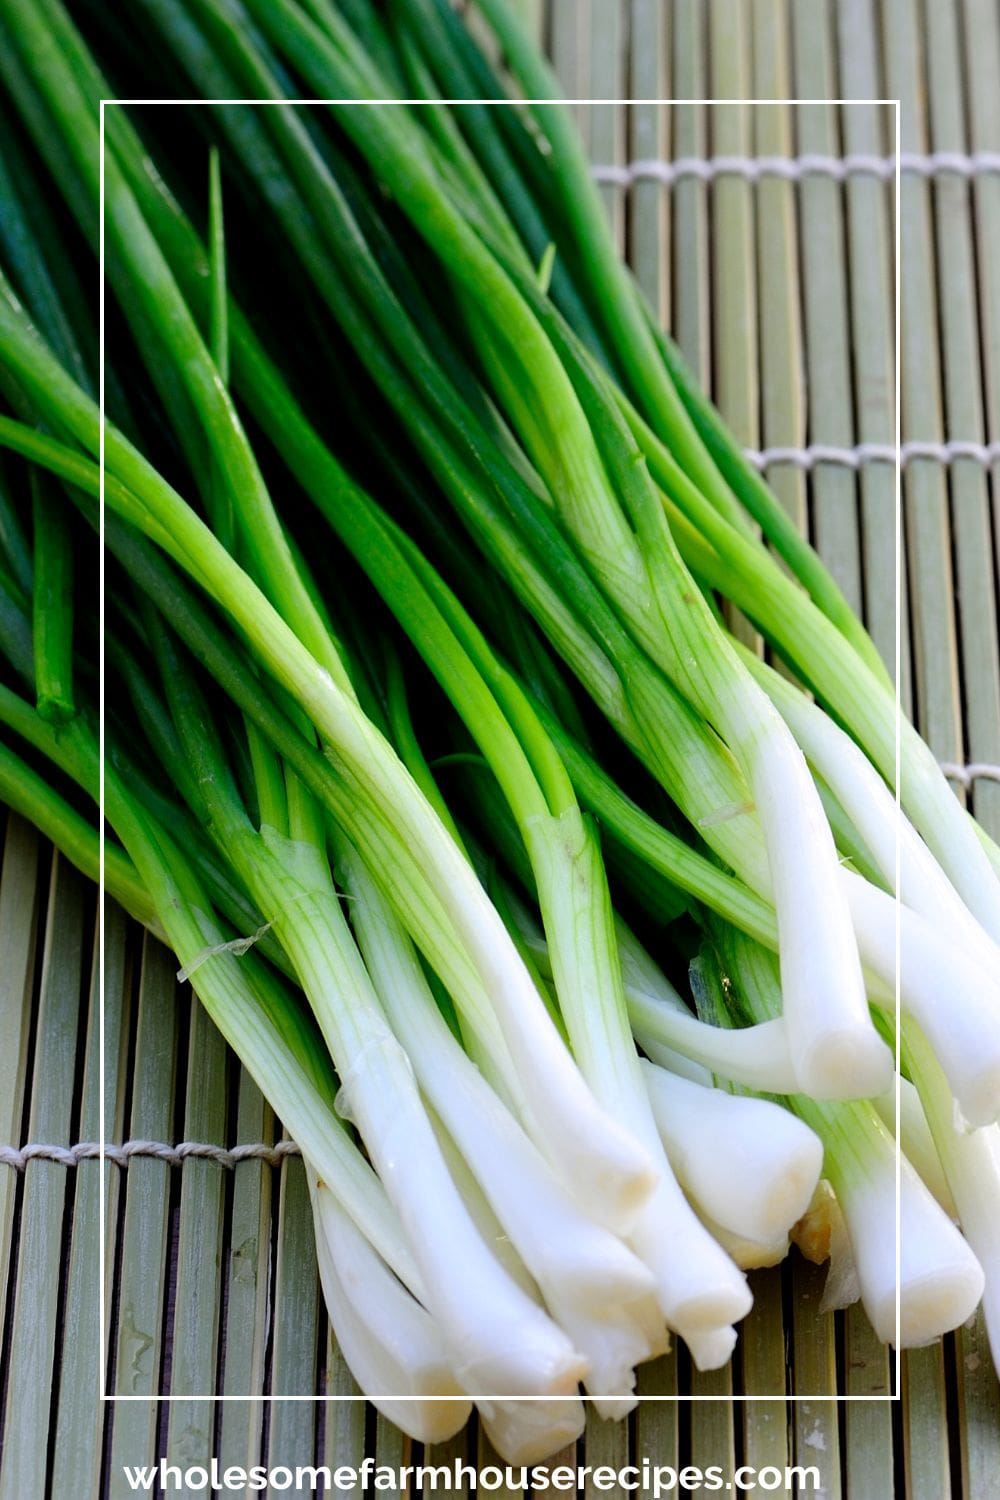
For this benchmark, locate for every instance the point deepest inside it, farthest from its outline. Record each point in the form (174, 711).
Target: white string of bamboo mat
(795, 168)
(953, 451)
(978, 770)
(840, 168)
(18, 1157)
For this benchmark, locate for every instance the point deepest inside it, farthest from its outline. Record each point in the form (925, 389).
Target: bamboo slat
(296, 1324)
(77, 1451)
(569, 44)
(979, 25)
(605, 126)
(925, 1425)
(648, 133)
(925, 508)
(735, 322)
(868, 1447)
(869, 130)
(689, 251)
(392, 1450)
(736, 364)
(713, 1422)
(248, 1257)
(194, 1332)
(607, 1446)
(141, 1289)
(18, 943)
(815, 1422)
(761, 1361)
(782, 418)
(32, 1375)
(961, 364)
(826, 304)
(978, 1400)
(657, 1423)
(344, 1421)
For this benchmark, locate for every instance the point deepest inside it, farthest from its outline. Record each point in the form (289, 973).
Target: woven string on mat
(840, 168)
(70, 1156)
(955, 450)
(795, 168)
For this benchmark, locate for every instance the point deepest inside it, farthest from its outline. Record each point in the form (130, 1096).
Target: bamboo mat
(778, 284)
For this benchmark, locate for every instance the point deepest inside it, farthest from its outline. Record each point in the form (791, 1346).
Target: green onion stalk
(598, 1292)
(498, 1340)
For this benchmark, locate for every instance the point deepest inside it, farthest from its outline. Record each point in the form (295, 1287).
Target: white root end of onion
(499, 1340)
(748, 1164)
(841, 1062)
(933, 1305)
(940, 1280)
(698, 1287)
(392, 1345)
(749, 1255)
(988, 1238)
(712, 1349)
(528, 1432)
(614, 1344)
(615, 1408)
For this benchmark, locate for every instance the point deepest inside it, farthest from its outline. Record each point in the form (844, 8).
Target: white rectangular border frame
(895, 1393)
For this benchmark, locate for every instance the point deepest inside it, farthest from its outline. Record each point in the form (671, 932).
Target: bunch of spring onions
(428, 749)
